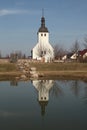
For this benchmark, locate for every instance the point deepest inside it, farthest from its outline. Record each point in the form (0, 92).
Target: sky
(20, 20)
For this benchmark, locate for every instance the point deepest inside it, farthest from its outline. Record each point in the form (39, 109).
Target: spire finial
(42, 12)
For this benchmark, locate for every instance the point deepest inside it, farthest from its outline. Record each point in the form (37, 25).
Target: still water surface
(43, 105)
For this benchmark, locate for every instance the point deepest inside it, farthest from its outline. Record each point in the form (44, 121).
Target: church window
(41, 34)
(45, 34)
(44, 52)
(45, 98)
(41, 98)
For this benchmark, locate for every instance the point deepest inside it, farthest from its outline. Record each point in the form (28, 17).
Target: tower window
(45, 98)
(45, 34)
(41, 98)
(41, 34)
(44, 52)
(41, 52)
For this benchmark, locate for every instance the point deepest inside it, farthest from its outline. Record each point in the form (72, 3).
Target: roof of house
(69, 55)
(82, 52)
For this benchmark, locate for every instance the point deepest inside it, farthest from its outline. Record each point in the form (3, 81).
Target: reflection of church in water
(43, 87)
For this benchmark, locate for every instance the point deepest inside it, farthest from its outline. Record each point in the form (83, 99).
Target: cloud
(12, 12)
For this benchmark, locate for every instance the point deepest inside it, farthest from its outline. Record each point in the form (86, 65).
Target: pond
(43, 105)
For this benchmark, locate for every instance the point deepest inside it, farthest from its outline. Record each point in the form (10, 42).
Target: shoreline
(65, 75)
(69, 75)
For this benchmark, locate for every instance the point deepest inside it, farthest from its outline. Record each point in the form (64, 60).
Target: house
(74, 56)
(83, 53)
(67, 56)
(70, 56)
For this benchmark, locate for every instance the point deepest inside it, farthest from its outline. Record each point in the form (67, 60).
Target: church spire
(42, 12)
(43, 28)
(43, 22)
(42, 19)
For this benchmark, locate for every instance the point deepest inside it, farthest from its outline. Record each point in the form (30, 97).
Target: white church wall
(43, 38)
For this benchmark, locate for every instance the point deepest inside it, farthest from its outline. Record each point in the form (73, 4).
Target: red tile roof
(82, 52)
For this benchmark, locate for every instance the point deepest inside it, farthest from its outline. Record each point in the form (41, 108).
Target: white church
(43, 49)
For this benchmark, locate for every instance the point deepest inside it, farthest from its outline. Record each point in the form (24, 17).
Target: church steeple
(43, 28)
(42, 12)
(43, 19)
(43, 22)
(43, 104)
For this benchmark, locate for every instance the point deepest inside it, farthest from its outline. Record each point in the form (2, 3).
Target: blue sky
(66, 21)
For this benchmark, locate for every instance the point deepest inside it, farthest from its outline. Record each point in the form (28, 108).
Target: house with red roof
(83, 53)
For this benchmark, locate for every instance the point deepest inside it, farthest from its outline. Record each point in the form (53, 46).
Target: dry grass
(52, 70)
(62, 70)
(8, 71)
(7, 67)
(60, 66)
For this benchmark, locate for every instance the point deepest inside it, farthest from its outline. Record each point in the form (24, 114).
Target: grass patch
(9, 67)
(60, 66)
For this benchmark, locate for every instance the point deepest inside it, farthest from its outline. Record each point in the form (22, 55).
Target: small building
(43, 49)
(83, 53)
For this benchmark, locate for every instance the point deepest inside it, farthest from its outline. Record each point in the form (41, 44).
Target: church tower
(43, 48)
(43, 34)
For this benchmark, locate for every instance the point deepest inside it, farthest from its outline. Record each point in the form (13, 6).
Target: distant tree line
(16, 55)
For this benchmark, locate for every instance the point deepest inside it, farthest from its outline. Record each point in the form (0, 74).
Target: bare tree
(13, 57)
(85, 42)
(56, 90)
(24, 56)
(75, 47)
(59, 51)
(19, 54)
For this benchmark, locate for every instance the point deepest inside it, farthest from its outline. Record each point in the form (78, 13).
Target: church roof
(43, 28)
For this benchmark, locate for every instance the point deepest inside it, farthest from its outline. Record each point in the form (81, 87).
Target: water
(43, 105)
